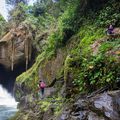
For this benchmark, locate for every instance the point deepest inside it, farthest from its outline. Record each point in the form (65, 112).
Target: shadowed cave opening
(8, 77)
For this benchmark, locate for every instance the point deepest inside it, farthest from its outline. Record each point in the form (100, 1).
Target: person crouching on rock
(42, 86)
(110, 30)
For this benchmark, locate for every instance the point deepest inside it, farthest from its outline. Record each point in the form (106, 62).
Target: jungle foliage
(63, 20)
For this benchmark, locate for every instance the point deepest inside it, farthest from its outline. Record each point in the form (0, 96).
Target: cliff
(75, 58)
(16, 47)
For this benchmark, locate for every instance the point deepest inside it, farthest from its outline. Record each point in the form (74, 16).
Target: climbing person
(110, 30)
(42, 86)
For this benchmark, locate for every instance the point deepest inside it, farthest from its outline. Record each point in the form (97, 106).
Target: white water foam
(6, 98)
(8, 105)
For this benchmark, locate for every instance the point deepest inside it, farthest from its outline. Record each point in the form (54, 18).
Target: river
(8, 105)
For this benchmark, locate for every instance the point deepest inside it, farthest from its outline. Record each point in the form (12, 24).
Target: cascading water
(8, 105)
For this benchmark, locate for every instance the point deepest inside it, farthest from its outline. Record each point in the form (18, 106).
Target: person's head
(110, 26)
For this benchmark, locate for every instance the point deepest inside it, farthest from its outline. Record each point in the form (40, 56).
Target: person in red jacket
(42, 86)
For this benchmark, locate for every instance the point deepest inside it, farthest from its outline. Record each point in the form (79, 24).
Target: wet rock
(79, 110)
(94, 116)
(81, 104)
(81, 115)
(65, 115)
(21, 90)
(107, 104)
(48, 115)
(104, 106)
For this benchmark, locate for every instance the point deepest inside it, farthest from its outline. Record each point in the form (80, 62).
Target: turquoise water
(6, 112)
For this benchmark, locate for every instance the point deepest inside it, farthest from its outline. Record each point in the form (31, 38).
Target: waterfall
(8, 105)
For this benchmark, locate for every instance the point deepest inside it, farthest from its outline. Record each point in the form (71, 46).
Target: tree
(18, 14)
(2, 25)
(16, 2)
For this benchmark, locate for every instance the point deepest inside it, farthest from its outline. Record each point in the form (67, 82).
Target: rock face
(51, 68)
(15, 46)
(104, 106)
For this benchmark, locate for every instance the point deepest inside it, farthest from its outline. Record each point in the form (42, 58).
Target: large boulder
(105, 106)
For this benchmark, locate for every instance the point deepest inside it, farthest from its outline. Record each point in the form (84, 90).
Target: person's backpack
(42, 85)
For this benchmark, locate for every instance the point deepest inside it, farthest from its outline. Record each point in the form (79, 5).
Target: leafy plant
(109, 15)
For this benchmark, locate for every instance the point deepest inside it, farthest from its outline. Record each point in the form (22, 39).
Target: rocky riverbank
(99, 106)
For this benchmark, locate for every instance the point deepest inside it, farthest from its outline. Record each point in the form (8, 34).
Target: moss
(67, 66)
(44, 105)
(60, 73)
(19, 115)
(88, 70)
(88, 35)
(30, 77)
(59, 106)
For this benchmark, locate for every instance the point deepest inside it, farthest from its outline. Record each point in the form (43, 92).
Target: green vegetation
(110, 14)
(2, 25)
(77, 28)
(89, 71)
